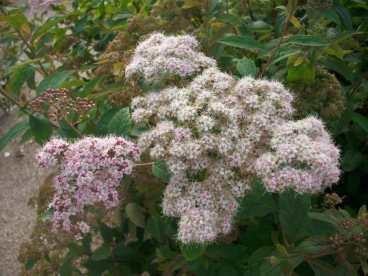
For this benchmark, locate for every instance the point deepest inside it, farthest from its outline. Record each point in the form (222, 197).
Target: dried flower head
(90, 173)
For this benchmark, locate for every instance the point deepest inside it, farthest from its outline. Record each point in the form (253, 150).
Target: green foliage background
(319, 49)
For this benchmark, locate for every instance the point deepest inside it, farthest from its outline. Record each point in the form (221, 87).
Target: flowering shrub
(216, 129)
(91, 170)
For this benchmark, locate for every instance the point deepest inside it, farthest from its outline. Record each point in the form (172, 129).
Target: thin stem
(250, 10)
(280, 41)
(144, 164)
(10, 98)
(354, 90)
(73, 127)
(27, 44)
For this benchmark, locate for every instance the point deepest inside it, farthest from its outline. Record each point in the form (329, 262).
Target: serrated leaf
(41, 129)
(314, 245)
(102, 125)
(344, 268)
(351, 160)
(121, 123)
(30, 263)
(246, 67)
(13, 133)
(135, 214)
(160, 170)
(192, 252)
(294, 215)
(16, 21)
(111, 88)
(338, 66)
(328, 215)
(306, 40)
(54, 81)
(256, 203)
(282, 53)
(286, 267)
(243, 42)
(47, 26)
(121, 250)
(101, 253)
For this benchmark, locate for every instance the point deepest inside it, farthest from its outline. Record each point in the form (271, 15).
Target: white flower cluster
(303, 158)
(215, 127)
(160, 55)
(215, 135)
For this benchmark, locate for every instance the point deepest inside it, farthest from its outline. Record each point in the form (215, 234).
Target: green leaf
(13, 133)
(45, 214)
(282, 249)
(121, 123)
(230, 18)
(286, 267)
(106, 232)
(280, 23)
(41, 129)
(338, 66)
(102, 125)
(258, 256)
(98, 267)
(16, 21)
(320, 268)
(306, 40)
(80, 24)
(153, 228)
(135, 213)
(121, 250)
(66, 131)
(101, 253)
(77, 249)
(362, 211)
(344, 268)
(18, 78)
(360, 120)
(294, 215)
(66, 269)
(246, 67)
(192, 252)
(351, 160)
(227, 269)
(314, 245)
(282, 53)
(343, 13)
(53, 81)
(256, 203)
(47, 26)
(30, 263)
(243, 42)
(111, 88)
(303, 73)
(259, 26)
(329, 13)
(160, 170)
(137, 130)
(328, 215)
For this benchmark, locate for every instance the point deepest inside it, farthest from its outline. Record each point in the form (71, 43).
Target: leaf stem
(144, 164)
(280, 41)
(27, 44)
(73, 127)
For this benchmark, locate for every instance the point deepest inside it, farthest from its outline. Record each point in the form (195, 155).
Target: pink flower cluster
(159, 56)
(91, 170)
(302, 158)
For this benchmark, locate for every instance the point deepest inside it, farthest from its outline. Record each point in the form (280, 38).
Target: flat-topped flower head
(91, 171)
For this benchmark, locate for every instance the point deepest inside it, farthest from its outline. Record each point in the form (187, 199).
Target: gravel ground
(19, 180)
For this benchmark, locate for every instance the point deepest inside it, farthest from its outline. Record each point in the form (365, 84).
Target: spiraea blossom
(302, 158)
(219, 136)
(90, 173)
(215, 129)
(159, 56)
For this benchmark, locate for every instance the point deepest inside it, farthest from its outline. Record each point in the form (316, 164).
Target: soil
(20, 179)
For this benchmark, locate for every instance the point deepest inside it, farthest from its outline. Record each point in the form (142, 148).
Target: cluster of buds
(159, 56)
(61, 105)
(90, 172)
(215, 135)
